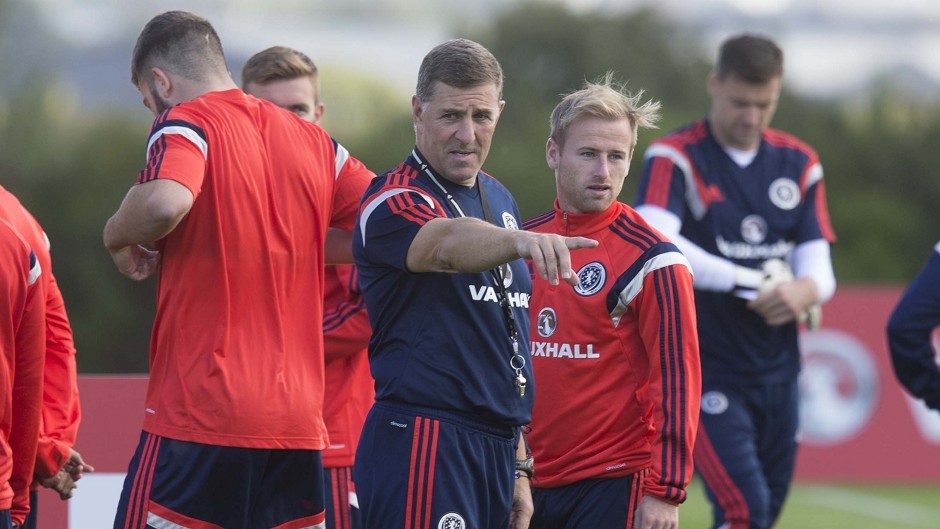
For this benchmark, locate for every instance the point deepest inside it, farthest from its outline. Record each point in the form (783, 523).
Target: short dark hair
(753, 58)
(280, 63)
(460, 63)
(180, 42)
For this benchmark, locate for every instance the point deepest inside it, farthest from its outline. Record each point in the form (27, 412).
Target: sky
(833, 47)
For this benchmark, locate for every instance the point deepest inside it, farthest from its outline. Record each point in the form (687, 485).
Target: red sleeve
(346, 328)
(27, 399)
(668, 327)
(61, 413)
(176, 151)
(352, 179)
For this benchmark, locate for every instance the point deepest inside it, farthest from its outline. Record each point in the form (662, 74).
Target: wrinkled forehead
(478, 96)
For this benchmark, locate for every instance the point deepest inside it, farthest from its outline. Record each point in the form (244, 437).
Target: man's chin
(461, 172)
(461, 175)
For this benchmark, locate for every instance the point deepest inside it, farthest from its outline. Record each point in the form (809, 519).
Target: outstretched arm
(473, 245)
(712, 272)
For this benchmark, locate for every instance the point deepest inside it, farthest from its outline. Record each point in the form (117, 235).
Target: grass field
(838, 506)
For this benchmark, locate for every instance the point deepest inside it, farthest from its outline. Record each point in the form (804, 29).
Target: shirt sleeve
(346, 329)
(911, 327)
(712, 272)
(176, 150)
(61, 412)
(813, 259)
(667, 321)
(352, 179)
(389, 220)
(815, 223)
(27, 393)
(664, 179)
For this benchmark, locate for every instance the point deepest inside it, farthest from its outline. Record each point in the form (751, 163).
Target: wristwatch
(525, 466)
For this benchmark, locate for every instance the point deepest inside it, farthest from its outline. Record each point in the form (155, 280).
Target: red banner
(857, 421)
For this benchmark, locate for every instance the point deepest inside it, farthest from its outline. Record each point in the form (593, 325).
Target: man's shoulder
(630, 229)
(540, 223)
(495, 187)
(687, 135)
(784, 140)
(402, 176)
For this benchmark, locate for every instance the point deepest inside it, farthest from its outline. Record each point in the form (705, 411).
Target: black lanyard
(516, 361)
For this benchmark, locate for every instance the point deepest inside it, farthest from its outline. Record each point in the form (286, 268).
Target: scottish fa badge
(451, 520)
(784, 193)
(591, 279)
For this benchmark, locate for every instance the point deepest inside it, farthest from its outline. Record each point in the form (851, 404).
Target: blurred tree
(547, 51)
(72, 167)
(71, 171)
(880, 186)
(368, 117)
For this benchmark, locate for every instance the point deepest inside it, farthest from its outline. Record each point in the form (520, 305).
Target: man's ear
(551, 153)
(502, 106)
(162, 82)
(711, 85)
(416, 109)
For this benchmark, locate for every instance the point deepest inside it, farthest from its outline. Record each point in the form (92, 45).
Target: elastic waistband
(504, 432)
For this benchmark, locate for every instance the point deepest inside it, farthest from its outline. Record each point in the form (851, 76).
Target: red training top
(615, 358)
(61, 413)
(349, 385)
(234, 358)
(22, 347)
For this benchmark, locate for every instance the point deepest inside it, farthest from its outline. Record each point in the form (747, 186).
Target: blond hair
(604, 99)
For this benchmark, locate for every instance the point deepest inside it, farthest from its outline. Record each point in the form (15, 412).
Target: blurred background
(862, 87)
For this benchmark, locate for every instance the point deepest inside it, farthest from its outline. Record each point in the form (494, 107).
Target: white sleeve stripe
(696, 204)
(35, 269)
(185, 132)
(158, 522)
(353, 499)
(632, 290)
(814, 176)
(378, 200)
(342, 156)
(937, 248)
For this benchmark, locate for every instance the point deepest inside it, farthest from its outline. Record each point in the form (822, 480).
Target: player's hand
(785, 302)
(653, 513)
(522, 506)
(61, 482)
(136, 262)
(76, 466)
(551, 254)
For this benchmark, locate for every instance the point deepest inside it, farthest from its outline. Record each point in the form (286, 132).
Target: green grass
(837, 506)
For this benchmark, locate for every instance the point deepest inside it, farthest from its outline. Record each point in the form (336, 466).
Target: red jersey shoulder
(686, 136)
(24, 260)
(539, 223)
(629, 215)
(780, 139)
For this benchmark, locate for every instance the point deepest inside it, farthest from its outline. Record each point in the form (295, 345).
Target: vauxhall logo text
(487, 293)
